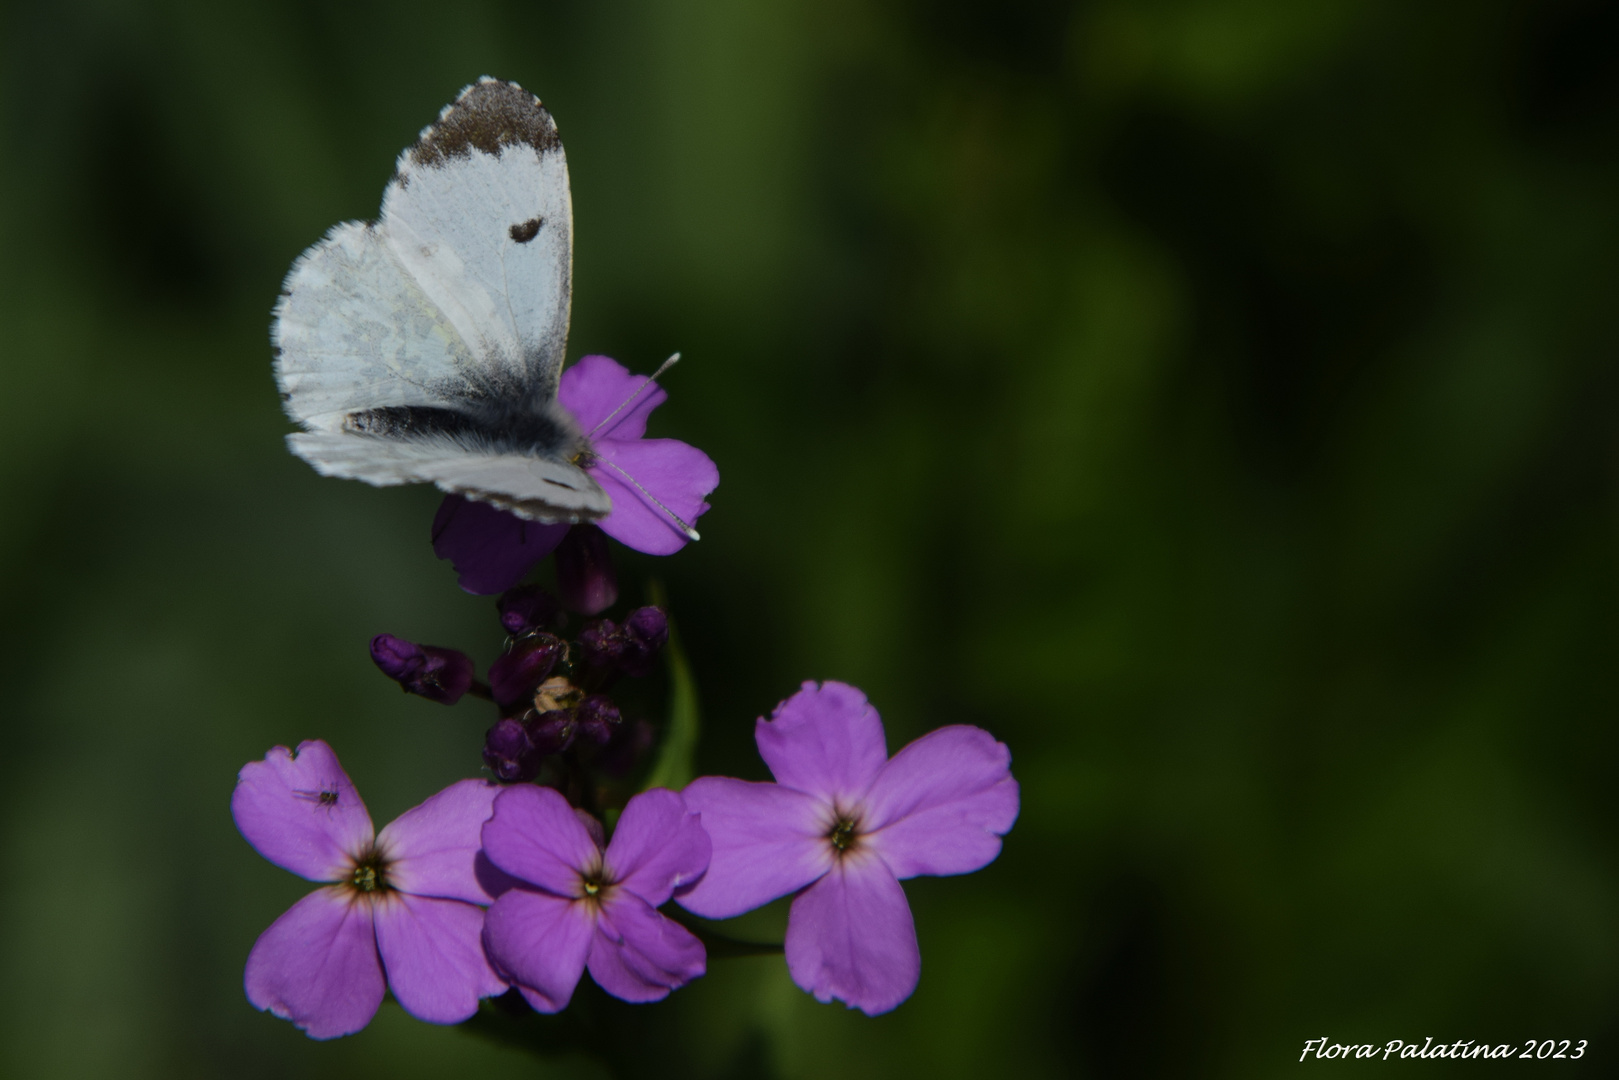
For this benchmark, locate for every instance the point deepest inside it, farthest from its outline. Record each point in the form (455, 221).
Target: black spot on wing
(527, 231)
(488, 116)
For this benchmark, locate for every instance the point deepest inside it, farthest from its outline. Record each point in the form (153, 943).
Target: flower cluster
(511, 884)
(552, 692)
(842, 825)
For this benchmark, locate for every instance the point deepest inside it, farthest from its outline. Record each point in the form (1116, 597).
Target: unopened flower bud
(510, 753)
(513, 677)
(585, 571)
(551, 732)
(528, 608)
(644, 633)
(598, 719)
(600, 644)
(441, 675)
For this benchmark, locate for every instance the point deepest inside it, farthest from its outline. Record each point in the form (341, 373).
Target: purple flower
(400, 906)
(576, 906)
(440, 675)
(845, 824)
(490, 549)
(657, 486)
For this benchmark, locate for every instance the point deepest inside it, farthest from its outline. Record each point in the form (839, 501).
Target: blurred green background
(1215, 399)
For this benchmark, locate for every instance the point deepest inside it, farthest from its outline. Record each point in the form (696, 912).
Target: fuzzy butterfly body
(426, 347)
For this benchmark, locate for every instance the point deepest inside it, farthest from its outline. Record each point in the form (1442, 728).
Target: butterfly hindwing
(540, 489)
(353, 330)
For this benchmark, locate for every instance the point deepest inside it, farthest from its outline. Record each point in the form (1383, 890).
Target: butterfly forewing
(481, 216)
(427, 347)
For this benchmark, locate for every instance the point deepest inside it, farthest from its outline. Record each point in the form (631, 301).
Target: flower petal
(639, 955)
(850, 937)
(300, 810)
(595, 386)
(536, 837)
(433, 848)
(768, 841)
(490, 548)
(641, 473)
(825, 740)
(433, 953)
(658, 846)
(317, 965)
(539, 942)
(943, 803)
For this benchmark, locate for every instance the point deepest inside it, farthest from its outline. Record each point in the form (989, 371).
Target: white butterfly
(427, 347)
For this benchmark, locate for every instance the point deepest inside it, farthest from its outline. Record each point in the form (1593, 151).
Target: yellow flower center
(843, 834)
(370, 874)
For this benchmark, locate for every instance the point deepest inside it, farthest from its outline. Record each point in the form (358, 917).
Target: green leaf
(676, 761)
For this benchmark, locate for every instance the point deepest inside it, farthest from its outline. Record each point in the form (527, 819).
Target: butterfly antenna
(639, 390)
(687, 529)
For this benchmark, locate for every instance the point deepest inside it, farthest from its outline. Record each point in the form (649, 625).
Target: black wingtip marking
(488, 116)
(527, 231)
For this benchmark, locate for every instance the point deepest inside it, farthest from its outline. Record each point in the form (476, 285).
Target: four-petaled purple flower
(577, 906)
(400, 907)
(657, 486)
(845, 824)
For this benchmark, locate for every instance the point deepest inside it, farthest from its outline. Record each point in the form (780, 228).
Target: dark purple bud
(598, 719)
(585, 571)
(523, 667)
(441, 675)
(600, 644)
(510, 753)
(551, 732)
(526, 608)
(644, 633)
(397, 658)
